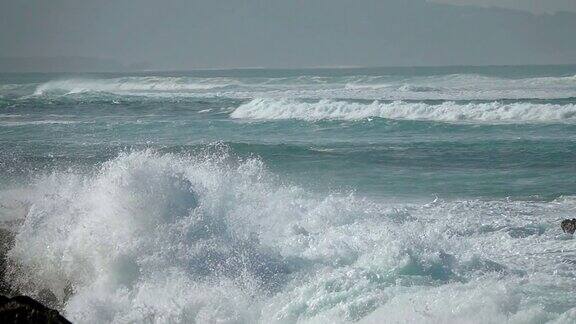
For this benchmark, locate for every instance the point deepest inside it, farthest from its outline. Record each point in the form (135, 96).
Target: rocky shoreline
(24, 309)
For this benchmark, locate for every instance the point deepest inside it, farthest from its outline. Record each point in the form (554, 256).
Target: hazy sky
(184, 34)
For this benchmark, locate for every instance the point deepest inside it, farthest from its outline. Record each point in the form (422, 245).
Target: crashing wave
(489, 112)
(155, 237)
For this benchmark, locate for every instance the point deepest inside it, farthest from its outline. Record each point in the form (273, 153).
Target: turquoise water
(387, 194)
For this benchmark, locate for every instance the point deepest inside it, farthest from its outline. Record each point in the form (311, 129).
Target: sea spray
(141, 219)
(209, 237)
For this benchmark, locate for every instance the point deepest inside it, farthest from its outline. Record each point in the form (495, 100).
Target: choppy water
(425, 195)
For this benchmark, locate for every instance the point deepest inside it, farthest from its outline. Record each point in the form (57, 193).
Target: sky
(188, 34)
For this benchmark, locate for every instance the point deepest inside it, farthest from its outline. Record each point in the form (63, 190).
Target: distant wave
(38, 122)
(128, 84)
(491, 112)
(384, 86)
(446, 87)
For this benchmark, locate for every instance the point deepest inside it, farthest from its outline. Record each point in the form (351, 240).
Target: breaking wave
(445, 87)
(152, 237)
(132, 84)
(489, 113)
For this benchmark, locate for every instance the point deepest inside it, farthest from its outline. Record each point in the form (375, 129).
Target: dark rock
(23, 309)
(569, 225)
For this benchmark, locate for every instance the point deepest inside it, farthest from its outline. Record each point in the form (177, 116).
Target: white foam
(447, 87)
(477, 302)
(132, 84)
(490, 112)
(38, 122)
(208, 238)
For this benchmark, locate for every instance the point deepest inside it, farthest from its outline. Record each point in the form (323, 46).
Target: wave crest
(440, 87)
(132, 84)
(489, 113)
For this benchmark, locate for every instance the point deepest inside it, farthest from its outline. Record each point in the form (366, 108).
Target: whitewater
(492, 112)
(423, 195)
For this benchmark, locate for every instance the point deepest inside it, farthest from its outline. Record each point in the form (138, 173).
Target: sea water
(378, 195)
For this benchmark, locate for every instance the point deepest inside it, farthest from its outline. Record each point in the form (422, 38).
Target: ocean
(371, 195)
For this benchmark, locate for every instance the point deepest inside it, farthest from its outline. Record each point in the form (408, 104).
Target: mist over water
(370, 195)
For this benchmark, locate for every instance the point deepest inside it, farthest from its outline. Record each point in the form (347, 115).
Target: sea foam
(489, 112)
(389, 87)
(152, 237)
(131, 84)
